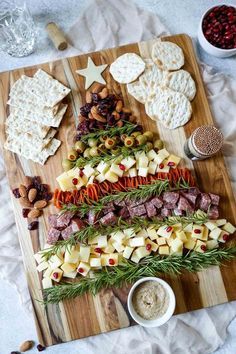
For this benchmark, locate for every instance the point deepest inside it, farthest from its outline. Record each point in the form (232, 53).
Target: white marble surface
(179, 16)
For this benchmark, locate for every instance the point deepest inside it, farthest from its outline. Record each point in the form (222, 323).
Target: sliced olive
(149, 135)
(102, 147)
(129, 141)
(94, 151)
(123, 136)
(110, 143)
(67, 164)
(117, 139)
(87, 153)
(158, 144)
(134, 134)
(72, 155)
(149, 146)
(141, 139)
(80, 147)
(103, 138)
(92, 142)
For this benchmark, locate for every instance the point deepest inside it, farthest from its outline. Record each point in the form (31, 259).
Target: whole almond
(94, 110)
(25, 203)
(40, 204)
(104, 93)
(119, 123)
(27, 181)
(119, 106)
(32, 194)
(97, 88)
(99, 118)
(90, 116)
(34, 213)
(22, 191)
(88, 97)
(27, 345)
(126, 110)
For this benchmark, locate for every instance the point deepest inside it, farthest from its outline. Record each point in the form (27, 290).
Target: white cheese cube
(215, 233)
(211, 225)
(143, 161)
(102, 167)
(161, 241)
(152, 166)
(165, 231)
(142, 233)
(152, 233)
(102, 241)
(71, 255)
(205, 234)
(224, 236)
(136, 242)
(47, 272)
(221, 222)
(197, 231)
(143, 171)
(65, 182)
(109, 259)
(88, 170)
(93, 240)
(164, 168)
(47, 283)
(91, 179)
(173, 161)
(116, 169)
(111, 177)
(71, 275)
(229, 228)
(177, 245)
(188, 228)
(118, 236)
(68, 267)
(56, 275)
(118, 247)
(151, 155)
(212, 244)
(128, 162)
(161, 156)
(154, 246)
(84, 253)
(142, 252)
(127, 252)
(177, 227)
(39, 257)
(83, 268)
(109, 249)
(95, 262)
(200, 246)
(164, 250)
(181, 236)
(129, 233)
(42, 266)
(190, 244)
(135, 257)
(74, 172)
(100, 178)
(55, 262)
(133, 172)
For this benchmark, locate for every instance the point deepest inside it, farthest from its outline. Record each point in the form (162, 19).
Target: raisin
(95, 98)
(16, 192)
(47, 196)
(40, 347)
(25, 212)
(33, 225)
(85, 110)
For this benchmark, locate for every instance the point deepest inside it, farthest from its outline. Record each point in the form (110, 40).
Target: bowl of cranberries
(217, 31)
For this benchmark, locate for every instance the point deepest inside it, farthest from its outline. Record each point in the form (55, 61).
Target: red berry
(203, 248)
(111, 261)
(55, 275)
(121, 167)
(161, 166)
(169, 229)
(148, 247)
(197, 231)
(225, 237)
(98, 250)
(171, 163)
(81, 173)
(75, 181)
(80, 270)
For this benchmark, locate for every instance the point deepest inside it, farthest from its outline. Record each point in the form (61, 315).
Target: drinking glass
(17, 29)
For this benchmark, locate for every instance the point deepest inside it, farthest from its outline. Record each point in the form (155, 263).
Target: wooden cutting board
(88, 315)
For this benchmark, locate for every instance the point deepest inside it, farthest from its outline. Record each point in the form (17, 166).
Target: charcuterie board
(87, 315)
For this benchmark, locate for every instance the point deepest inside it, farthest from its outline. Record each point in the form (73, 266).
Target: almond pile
(33, 197)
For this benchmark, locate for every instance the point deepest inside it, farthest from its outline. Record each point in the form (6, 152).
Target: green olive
(102, 147)
(141, 139)
(149, 146)
(149, 135)
(158, 144)
(66, 164)
(110, 143)
(94, 151)
(123, 136)
(87, 153)
(115, 150)
(72, 155)
(80, 147)
(129, 141)
(103, 138)
(134, 134)
(92, 142)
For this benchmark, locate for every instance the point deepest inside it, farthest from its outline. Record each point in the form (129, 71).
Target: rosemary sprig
(129, 272)
(90, 231)
(127, 128)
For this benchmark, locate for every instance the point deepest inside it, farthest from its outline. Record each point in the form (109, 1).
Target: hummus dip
(150, 300)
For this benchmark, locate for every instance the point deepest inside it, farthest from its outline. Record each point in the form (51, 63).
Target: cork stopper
(207, 140)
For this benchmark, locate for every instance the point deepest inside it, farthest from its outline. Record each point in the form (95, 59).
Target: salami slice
(194, 191)
(190, 197)
(53, 235)
(67, 233)
(165, 212)
(215, 199)
(77, 224)
(108, 219)
(139, 210)
(157, 202)
(213, 212)
(124, 213)
(171, 197)
(169, 206)
(205, 201)
(120, 203)
(108, 208)
(92, 217)
(52, 220)
(184, 205)
(64, 219)
(151, 210)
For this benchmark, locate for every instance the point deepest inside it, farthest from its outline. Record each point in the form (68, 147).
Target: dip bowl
(159, 320)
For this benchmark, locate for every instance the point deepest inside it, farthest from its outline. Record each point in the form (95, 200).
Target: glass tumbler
(17, 29)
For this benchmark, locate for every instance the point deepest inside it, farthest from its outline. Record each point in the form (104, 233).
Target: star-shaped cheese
(93, 73)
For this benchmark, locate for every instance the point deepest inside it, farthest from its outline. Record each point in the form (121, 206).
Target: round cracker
(167, 55)
(127, 68)
(181, 81)
(171, 108)
(136, 90)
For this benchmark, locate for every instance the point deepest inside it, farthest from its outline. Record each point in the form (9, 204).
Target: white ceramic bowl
(207, 46)
(160, 320)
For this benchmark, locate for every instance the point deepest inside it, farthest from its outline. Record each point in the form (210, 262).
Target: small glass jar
(203, 143)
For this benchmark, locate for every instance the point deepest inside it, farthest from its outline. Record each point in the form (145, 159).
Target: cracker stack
(35, 113)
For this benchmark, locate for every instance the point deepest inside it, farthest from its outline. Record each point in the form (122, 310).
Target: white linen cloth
(107, 24)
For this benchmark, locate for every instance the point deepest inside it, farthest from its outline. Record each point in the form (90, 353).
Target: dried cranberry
(16, 192)
(85, 110)
(25, 212)
(197, 231)
(203, 248)
(95, 98)
(111, 261)
(169, 229)
(40, 347)
(98, 250)
(55, 275)
(161, 166)
(92, 124)
(225, 237)
(148, 247)
(122, 167)
(33, 225)
(80, 270)
(75, 181)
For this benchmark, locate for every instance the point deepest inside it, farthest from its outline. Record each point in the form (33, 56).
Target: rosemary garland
(127, 128)
(129, 272)
(90, 231)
